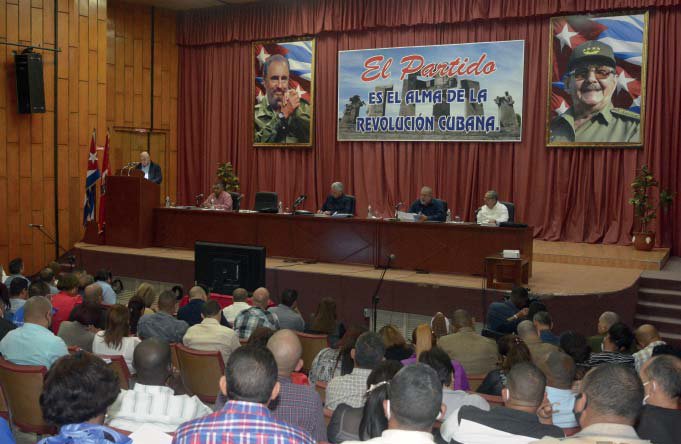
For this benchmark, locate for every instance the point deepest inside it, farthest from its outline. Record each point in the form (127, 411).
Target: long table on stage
(433, 247)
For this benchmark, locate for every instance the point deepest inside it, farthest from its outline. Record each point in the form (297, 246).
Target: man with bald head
(191, 313)
(427, 207)
(647, 338)
(151, 401)
(660, 420)
(298, 405)
(256, 316)
(33, 343)
(538, 349)
(477, 354)
(151, 170)
(606, 320)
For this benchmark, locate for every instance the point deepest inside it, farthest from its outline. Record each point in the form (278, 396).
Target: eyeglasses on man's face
(600, 72)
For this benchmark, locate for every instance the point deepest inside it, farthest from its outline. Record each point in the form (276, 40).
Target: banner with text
(463, 92)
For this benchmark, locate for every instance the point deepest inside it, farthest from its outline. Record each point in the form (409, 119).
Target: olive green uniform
(610, 125)
(269, 128)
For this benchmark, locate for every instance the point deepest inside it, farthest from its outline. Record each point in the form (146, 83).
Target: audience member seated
(256, 316)
(136, 309)
(287, 312)
(65, 301)
(477, 354)
(543, 324)
(608, 403)
(6, 436)
(115, 340)
(48, 275)
(33, 343)
(260, 337)
(538, 349)
(616, 345)
(559, 370)
(250, 383)
(92, 301)
(364, 423)
(84, 280)
(660, 420)
(209, 335)
(37, 288)
(4, 299)
(16, 270)
(239, 304)
(575, 345)
(152, 401)
(5, 325)
(18, 294)
(331, 362)
(440, 325)
(103, 278)
(525, 417)
(606, 320)
(423, 339)
(191, 313)
(647, 338)
(77, 392)
(298, 405)
(504, 317)
(396, 347)
(439, 361)
(349, 389)
(325, 321)
(146, 293)
(512, 351)
(163, 324)
(80, 330)
(415, 403)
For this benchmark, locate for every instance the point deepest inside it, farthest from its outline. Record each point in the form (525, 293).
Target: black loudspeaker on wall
(30, 87)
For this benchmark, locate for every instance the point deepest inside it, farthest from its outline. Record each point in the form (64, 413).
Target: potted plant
(645, 208)
(228, 177)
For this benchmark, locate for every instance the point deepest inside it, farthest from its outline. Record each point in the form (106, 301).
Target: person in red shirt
(64, 301)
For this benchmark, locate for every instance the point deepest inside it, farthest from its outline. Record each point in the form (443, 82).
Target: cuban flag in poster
(299, 56)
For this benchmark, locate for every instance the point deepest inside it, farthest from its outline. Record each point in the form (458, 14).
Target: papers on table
(341, 215)
(407, 217)
(150, 434)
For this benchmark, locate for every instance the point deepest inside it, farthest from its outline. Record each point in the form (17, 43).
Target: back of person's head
(289, 297)
(152, 361)
(462, 319)
(17, 287)
(646, 334)
(117, 326)
(534, 308)
(86, 314)
(391, 336)
(559, 369)
(369, 350)
(520, 297)
(576, 346)
(666, 349)
(415, 398)
(16, 266)
(47, 275)
(93, 294)
(84, 280)
(147, 294)
(4, 296)
(37, 310)
(239, 295)
(373, 421)
(136, 310)
(78, 388)
(167, 302)
(260, 336)
(345, 346)
(423, 339)
(613, 393)
(211, 309)
(664, 371)
(197, 292)
(440, 325)
(606, 320)
(525, 385)
(68, 282)
(621, 336)
(261, 297)
(439, 360)
(55, 267)
(325, 319)
(526, 330)
(543, 318)
(103, 275)
(251, 374)
(38, 288)
(513, 351)
(287, 351)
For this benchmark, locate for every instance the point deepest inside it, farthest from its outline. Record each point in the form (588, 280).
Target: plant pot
(644, 241)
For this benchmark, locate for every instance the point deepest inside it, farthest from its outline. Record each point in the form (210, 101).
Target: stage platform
(571, 278)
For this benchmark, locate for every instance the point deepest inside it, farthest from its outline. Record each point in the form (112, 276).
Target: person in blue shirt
(103, 278)
(337, 201)
(428, 208)
(543, 324)
(504, 317)
(6, 436)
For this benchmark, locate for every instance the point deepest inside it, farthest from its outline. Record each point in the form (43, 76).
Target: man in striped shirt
(250, 383)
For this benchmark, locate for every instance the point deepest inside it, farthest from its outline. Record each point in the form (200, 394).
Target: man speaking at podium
(151, 170)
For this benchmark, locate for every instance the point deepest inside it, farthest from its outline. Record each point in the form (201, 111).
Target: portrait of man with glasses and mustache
(591, 81)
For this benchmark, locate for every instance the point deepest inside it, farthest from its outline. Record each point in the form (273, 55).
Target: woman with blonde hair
(147, 294)
(396, 347)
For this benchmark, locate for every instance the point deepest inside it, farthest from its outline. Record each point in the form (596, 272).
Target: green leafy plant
(227, 175)
(645, 208)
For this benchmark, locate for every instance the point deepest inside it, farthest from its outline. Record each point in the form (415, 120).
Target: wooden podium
(129, 209)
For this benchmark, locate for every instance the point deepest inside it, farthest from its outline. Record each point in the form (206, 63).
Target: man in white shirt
(151, 401)
(647, 338)
(239, 304)
(209, 335)
(493, 212)
(415, 404)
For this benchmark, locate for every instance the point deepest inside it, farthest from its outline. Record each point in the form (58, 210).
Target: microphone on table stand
(375, 299)
(198, 199)
(299, 201)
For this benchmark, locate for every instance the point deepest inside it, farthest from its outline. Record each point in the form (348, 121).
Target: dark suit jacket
(154, 172)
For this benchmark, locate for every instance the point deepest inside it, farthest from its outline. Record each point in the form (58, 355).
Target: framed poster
(283, 73)
(597, 82)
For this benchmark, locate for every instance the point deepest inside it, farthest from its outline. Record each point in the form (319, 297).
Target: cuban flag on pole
(90, 182)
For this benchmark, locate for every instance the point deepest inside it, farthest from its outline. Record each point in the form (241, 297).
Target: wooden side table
(504, 274)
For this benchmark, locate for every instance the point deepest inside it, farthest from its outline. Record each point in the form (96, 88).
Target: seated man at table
(219, 198)
(493, 212)
(428, 208)
(337, 201)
